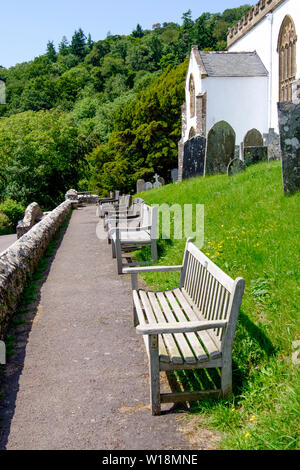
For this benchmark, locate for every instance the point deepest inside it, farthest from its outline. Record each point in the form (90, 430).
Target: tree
(63, 47)
(78, 44)
(138, 32)
(51, 52)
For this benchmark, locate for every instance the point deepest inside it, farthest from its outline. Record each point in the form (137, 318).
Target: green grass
(251, 230)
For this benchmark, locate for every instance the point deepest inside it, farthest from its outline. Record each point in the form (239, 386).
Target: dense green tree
(51, 52)
(138, 32)
(41, 156)
(78, 44)
(63, 47)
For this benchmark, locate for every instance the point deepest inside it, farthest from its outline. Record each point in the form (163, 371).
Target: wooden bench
(142, 232)
(124, 215)
(189, 327)
(107, 200)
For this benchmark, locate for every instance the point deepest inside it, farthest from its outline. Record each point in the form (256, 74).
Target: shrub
(13, 210)
(5, 225)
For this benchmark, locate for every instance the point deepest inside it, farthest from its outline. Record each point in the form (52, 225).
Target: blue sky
(27, 25)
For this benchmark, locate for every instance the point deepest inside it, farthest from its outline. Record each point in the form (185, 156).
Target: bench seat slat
(192, 338)
(183, 346)
(168, 339)
(168, 349)
(155, 316)
(212, 347)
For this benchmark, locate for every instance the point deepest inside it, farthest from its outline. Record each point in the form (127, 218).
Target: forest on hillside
(99, 114)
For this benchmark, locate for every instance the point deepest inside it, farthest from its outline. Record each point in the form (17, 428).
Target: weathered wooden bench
(189, 327)
(124, 215)
(140, 233)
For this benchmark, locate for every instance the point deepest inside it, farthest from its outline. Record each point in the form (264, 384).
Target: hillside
(251, 230)
(121, 92)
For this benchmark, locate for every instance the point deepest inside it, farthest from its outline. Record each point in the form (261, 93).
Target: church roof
(232, 64)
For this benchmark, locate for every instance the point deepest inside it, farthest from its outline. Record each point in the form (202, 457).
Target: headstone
(272, 141)
(157, 183)
(193, 157)
(220, 148)
(296, 92)
(253, 138)
(254, 150)
(174, 175)
(140, 186)
(289, 126)
(235, 166)
(254, 155)
(161, 180)
(148, 186)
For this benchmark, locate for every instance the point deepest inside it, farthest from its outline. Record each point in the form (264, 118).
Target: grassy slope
(251, 230)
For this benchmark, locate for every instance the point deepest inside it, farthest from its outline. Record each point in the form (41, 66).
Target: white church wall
(194, 70)
(229, 99)
(263, 38)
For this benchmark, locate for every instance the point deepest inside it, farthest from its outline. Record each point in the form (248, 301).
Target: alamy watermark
(2, 353)
(173, 221)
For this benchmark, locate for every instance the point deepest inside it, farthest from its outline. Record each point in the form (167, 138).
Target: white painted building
(270, 29)
(243, 85)
(217, 89)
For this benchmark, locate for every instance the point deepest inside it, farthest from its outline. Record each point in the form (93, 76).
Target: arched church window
(287, 58)
(192, 96)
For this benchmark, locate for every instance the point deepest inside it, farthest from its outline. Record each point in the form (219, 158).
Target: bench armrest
(180, 327)
(129, 229)
(107, 200)
(152, 269)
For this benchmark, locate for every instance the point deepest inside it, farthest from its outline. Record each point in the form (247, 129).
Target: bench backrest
(149, 218)
(214, 294)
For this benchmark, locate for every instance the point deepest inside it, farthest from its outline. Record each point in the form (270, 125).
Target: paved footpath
(79, 379)
(6, 241)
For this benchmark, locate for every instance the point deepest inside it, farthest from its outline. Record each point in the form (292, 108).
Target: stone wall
(33, 214)
(21, 259)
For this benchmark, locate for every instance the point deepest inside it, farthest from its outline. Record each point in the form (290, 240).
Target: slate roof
(232, 64)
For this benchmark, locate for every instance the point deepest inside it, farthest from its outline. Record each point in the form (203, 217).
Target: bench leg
(119, 255)
(154, 250)
(226, 380)
(113, 249)
(154, 375)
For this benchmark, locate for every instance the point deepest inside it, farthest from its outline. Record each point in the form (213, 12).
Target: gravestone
(148, 186)
(254, 149)
(289, 126)
(193, 157)
(140, 186)
(272, 141)
(157, 183)
(174, 175)
(236, 165)
(220, 148)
